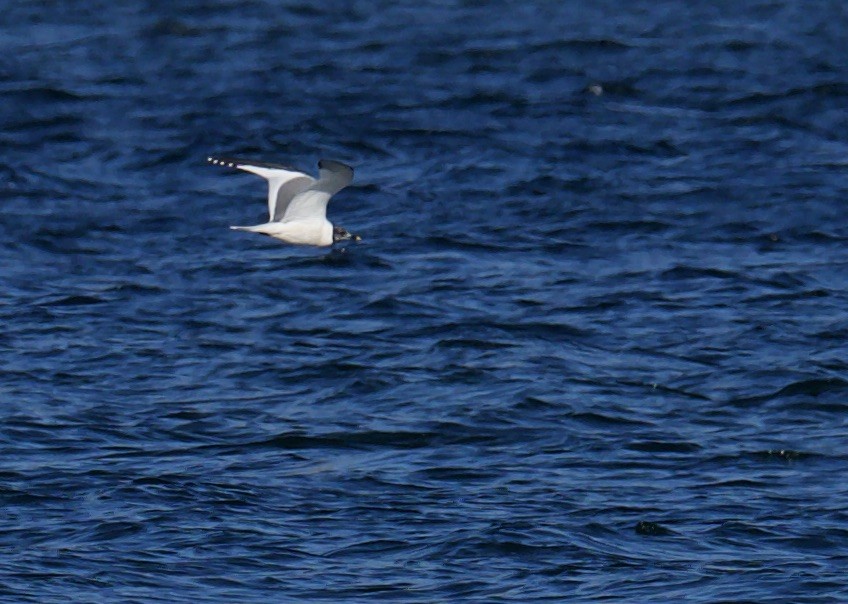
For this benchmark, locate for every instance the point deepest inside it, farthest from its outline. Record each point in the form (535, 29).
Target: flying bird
(297, 202)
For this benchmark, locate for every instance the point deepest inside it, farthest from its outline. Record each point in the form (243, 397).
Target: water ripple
(591, 346)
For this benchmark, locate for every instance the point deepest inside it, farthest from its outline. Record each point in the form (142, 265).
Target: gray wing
(284, 183)
(311, 203)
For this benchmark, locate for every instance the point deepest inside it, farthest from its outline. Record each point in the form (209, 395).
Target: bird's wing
(311, 203)
(283, 183)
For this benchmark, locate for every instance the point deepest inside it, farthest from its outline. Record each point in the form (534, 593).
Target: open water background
(592, 348)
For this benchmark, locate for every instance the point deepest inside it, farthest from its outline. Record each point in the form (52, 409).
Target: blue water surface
(591, 348)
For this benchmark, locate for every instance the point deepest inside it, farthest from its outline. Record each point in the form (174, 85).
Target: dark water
(593, 347)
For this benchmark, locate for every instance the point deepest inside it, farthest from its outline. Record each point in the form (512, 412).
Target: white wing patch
(284, 183)
(311, 204)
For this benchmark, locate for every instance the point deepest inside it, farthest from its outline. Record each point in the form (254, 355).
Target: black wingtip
(221, 161)
(237, 162)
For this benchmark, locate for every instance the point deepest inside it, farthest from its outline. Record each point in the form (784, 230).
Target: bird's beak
(356, 237)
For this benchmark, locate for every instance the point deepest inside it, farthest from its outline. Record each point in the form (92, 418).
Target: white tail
(269, 228)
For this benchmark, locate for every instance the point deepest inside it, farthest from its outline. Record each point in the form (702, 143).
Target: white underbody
(298, 232)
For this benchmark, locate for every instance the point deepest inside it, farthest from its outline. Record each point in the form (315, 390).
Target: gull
(297, 202)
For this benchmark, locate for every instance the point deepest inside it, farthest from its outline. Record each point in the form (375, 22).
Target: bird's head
(342, 234)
